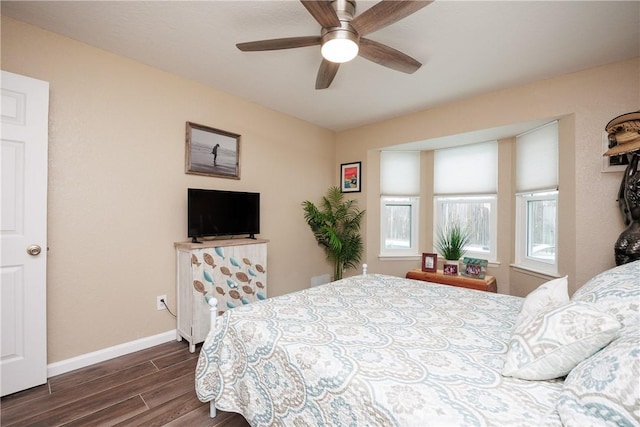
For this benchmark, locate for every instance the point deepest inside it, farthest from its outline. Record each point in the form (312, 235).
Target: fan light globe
(339, 50)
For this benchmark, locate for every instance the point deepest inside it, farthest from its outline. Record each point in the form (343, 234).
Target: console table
(233, 271)
(487, 284)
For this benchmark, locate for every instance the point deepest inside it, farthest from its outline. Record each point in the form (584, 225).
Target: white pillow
(604, 390)
(551, 343)
(549, 294)
(616, 292)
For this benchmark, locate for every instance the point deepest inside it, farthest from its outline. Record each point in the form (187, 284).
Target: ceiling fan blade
(387, 56)
(276, 44)
(323, 12)
(385, 13)
(326, 73)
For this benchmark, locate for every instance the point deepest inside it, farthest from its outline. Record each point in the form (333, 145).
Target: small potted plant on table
(450, 244)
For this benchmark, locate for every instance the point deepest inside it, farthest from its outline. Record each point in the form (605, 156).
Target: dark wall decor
(624, 137)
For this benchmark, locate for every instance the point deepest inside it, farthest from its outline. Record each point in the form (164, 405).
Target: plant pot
(450, 267)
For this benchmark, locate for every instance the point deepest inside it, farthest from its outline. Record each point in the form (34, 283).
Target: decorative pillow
(547, 295)
(617, 292)
(604, 390)
(551, 343)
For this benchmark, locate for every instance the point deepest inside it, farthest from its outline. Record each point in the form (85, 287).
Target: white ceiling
(466, 47)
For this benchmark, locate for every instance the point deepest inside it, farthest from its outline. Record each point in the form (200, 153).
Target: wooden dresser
(487, 284)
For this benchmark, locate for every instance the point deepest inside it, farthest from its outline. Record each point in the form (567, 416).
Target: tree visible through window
(399, 225)
(474, 213)
(541, 230)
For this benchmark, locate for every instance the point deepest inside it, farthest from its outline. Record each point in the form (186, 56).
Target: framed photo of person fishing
(212, 152)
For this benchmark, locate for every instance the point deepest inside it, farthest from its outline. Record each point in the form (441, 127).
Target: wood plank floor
(152, 387)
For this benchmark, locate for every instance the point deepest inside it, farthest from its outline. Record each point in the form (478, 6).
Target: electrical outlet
(159, 304)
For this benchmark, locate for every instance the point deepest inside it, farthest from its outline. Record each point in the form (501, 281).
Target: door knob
(34, 250)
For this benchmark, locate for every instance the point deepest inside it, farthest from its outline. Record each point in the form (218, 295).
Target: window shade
(400, 173)
(469, 169)
(537, 159)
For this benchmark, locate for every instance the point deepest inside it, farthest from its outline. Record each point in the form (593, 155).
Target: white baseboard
(88, 359)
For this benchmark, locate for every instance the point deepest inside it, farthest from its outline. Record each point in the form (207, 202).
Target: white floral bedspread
(372, 351)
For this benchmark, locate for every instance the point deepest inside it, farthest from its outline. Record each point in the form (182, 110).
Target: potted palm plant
(336, 227)
(450, 244)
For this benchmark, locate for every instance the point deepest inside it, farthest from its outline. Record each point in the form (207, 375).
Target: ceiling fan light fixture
(339, 46)
(340, 35)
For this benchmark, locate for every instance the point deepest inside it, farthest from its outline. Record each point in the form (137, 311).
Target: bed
(376, 350)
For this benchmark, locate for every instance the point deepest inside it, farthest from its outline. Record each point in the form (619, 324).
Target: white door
(24, 135)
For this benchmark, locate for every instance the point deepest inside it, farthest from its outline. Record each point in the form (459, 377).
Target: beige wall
(117, 187)
(117, 126)
(589, 217)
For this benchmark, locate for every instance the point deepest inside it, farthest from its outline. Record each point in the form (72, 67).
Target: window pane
(476, 216)
(398, 227)
(541, 230)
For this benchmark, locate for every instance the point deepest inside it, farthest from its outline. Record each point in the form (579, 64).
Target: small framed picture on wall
(350, 177)
(429, 262)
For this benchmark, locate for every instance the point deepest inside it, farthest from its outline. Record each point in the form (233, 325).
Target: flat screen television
(222, 213)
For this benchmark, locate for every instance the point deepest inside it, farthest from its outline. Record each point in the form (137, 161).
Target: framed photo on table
(476, 268)
(429, 262)
(350, 177)
(450, 269)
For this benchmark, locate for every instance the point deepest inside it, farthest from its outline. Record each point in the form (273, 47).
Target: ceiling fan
(342, 35)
